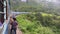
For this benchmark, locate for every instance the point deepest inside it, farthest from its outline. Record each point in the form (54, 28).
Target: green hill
(39, 23)
(44, 19)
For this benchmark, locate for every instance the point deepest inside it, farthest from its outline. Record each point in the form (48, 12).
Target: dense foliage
(39, 23)
(44, 19)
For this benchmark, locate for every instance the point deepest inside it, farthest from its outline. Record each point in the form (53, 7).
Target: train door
(2, 11)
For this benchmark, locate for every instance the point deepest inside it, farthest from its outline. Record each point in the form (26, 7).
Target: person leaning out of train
(14, 25)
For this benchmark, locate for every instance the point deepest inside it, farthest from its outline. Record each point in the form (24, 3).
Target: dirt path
(18, 31)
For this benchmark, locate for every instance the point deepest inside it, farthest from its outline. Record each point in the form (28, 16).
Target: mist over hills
(50, 6)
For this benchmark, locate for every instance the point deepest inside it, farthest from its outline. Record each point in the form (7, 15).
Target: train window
(4, 9)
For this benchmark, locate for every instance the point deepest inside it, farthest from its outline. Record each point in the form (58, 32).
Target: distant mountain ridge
(50, 6)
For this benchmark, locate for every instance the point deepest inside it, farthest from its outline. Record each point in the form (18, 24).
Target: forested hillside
(39, 23)
(43, 19)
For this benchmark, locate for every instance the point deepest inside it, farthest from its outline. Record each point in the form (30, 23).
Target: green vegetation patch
(36, 23)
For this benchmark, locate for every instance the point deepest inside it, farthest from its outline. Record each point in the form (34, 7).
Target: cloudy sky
(56, 1)
(23, 0)
(52, 0)
(46, 0)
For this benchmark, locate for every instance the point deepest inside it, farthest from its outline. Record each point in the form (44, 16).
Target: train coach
(4, 14)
